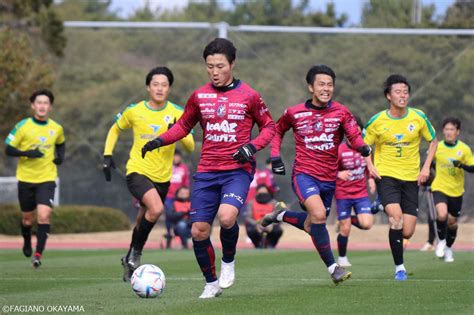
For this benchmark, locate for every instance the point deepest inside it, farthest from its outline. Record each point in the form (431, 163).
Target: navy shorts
(210, 189)
(305, 186)
(360, 205)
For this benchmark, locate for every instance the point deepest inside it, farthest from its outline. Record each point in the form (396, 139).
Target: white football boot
(343, 262)
(440, 248)
(227, 277)
(211, 290)
(448, 255)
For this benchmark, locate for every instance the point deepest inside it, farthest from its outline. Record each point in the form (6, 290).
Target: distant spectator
(180, 215)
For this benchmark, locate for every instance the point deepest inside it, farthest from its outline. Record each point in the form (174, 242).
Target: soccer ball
(148, 281)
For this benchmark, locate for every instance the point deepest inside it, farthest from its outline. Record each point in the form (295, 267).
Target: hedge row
(69, 219)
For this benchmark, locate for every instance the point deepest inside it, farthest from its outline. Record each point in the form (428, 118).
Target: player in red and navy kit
(319, 126)
(179, 178)
(351, 193)
(226, 109)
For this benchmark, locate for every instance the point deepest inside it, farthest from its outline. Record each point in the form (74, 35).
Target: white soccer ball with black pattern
(148, 281)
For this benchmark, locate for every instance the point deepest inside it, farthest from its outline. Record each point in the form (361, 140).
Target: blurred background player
(148, 179)
(40, 145)
(319, 125)
(396, 134)
(179, 177)
(179, 215)
(227, 109)
(263, 176)
(262, 204)
(427, 205)
(453, 157)
(351, 193)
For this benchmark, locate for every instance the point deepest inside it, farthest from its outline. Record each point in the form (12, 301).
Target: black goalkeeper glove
(36, 153)
(278, 167)
(109, 164)
(171, 124)
(365, 150)
(245, 153)
(457, 163)
(151, 145)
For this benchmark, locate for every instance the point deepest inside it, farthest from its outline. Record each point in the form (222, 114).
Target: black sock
(355, 221)
(431, 231)
(395, 238)
(342, 244)
(134, 239)
(41, 235)
(142, 233)
(26, 233)
(205, 257)
(441, 226)
(229, 239)
(451, 236)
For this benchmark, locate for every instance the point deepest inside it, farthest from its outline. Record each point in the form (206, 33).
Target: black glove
(151, 145)
(171, 124)
(278, 167)
(108, 165)
(245, 153)
(36, 153)
(457, 163)
(365, 150)
(58, 160)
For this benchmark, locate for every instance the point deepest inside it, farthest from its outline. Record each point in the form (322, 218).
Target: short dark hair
(46, 92)
(160, 70)
(452, 120)
(178, 152)
(394, 79)
(220, 46)
(319, 69)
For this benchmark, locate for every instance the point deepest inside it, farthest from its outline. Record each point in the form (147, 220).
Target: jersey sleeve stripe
(428, 123)
(371, 120)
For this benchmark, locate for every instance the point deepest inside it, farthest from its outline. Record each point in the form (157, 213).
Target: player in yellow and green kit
(39, 143)
(148, 179)
(452, 158)
(397, 133)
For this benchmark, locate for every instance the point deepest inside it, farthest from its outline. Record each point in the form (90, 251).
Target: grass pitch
(268, 282)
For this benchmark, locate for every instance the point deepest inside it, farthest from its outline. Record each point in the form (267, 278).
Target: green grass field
(268, 282)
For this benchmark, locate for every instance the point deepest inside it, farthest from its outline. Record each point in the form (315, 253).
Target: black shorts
(139, 184)
(32, 194)
(405, 193)
(454, 203)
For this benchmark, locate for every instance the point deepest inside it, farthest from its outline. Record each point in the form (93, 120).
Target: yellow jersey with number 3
(147, 124)
(397, 142)
(449, 179)
(29, 135)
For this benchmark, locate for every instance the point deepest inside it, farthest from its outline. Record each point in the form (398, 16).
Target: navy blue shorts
(305, 186)
(210, 189)
(360, 205)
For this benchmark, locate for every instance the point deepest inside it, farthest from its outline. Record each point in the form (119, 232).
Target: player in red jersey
(319, 126)
(351, 193)
(227, 109)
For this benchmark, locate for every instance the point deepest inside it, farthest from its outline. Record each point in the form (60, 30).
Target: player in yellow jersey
(39, 143)
(397, 133)
(452, 158)
(148, 179)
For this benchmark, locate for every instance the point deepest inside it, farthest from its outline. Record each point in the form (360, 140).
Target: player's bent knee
(396, 223)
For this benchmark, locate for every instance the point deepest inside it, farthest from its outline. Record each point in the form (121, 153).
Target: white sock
(280, 216)
(214, 283)
(399, 267)
(331, 268)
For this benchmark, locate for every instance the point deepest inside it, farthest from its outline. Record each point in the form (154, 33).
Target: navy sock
(42, 236)
(295, 218)
(26, 233)
(441, 227)
(205, 257)
(320, 236)
(229, 239)
(355, 221)
(451, 236)
(142, 233)
(395, 238)
(342, 244)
